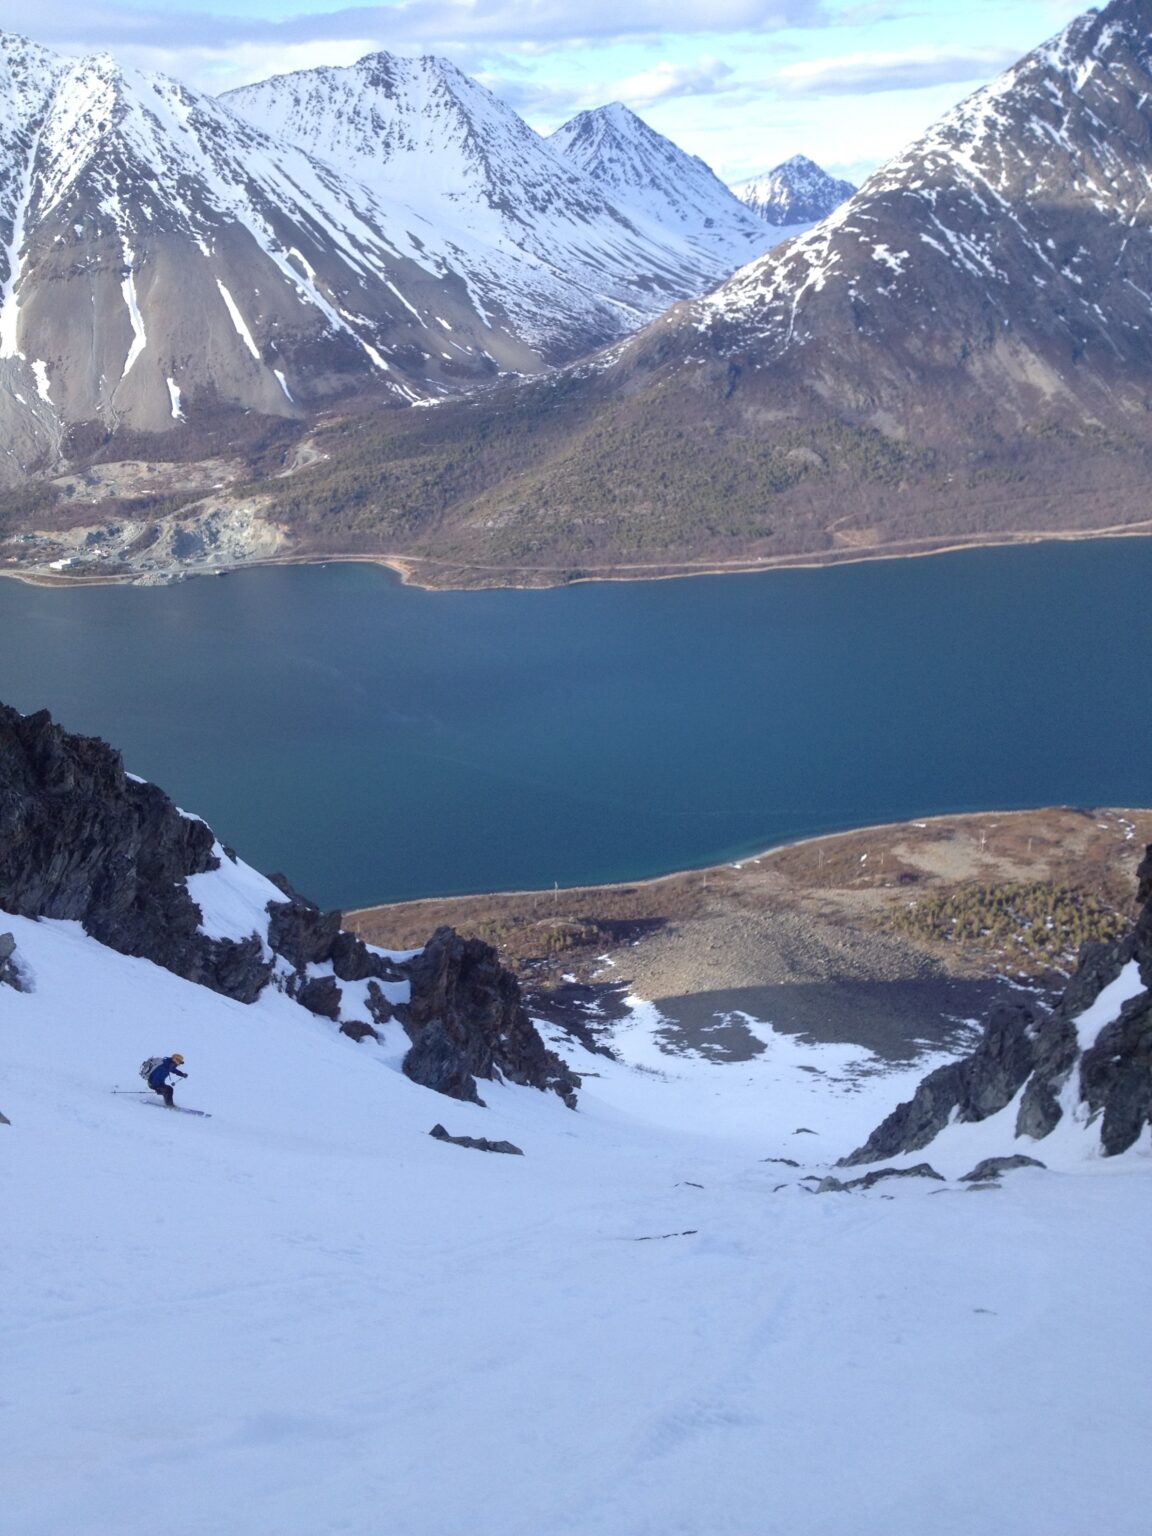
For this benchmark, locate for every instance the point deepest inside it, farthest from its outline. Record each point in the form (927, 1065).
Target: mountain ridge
(487, 189)
(166, 262)
(959, 354)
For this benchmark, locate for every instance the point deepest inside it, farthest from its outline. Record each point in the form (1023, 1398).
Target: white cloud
(707, 77)
(215, 70)
(911, 69)
(425, 23)
(213, 50)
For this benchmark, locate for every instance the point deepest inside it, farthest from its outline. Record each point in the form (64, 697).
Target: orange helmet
(177, 1058)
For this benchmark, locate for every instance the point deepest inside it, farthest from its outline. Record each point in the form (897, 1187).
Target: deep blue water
(376, 742)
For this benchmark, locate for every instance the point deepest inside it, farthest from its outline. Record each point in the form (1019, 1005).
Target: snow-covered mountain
(1001, 260)
(796, 194)
(167, 258)
(959, 352)
(644, 172)
(529, 232)
(162, 257)
(659, 1316)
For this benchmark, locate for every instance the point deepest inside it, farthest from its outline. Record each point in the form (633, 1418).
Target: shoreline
(554, 577)
(649, 882)
(835, 937)
(773, 851)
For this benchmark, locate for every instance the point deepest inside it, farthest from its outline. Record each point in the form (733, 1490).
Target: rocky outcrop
(1116, 1073)
(479, 1143)
(993, 1167)
(80, 839)
(1116, 1076)
(971, 1089)
(9, 970)
(832, 1185)
(356, 1030)
(321, 995)
(1036, 1055)
(305, 936)
(466, 1021)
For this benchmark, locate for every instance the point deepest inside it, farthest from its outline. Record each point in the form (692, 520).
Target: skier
(158, 1077)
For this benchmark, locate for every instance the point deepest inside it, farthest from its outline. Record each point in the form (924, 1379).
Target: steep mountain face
(82, 840)
(960, 352)
(646, 173)
(796, 193)
(999, 266)
(167, 259)
(1090, 1060)
(163, 258)
(531, 235)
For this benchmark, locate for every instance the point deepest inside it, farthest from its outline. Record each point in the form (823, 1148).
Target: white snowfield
(471, 189)
(305, 1317)
(233, 899)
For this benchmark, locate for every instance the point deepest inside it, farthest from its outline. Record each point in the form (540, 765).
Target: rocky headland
(896, 938)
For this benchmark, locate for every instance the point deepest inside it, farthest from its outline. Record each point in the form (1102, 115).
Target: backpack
(148, 1067)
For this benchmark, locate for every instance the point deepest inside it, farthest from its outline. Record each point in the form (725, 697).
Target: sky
(742, 83)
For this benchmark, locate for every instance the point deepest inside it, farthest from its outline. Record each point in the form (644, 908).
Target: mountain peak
(795, 192)
(535, 237)
(649, 175)
(1007, 227)
(613, 115)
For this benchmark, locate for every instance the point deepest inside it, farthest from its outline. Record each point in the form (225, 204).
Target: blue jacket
(158, 1075)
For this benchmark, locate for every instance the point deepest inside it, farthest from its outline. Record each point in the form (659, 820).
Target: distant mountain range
(796, 194)
(569, 258)
(960, 352)
(168, 260)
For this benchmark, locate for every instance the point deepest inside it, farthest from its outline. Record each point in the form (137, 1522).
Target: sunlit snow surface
(305, 1317)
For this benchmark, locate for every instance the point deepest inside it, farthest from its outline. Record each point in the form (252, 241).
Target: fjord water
(377, 742)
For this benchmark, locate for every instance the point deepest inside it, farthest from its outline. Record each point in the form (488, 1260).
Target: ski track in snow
(307, 1310)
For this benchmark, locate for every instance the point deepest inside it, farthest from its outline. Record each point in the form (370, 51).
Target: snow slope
(305, 1317)
(653, 178)
(528, 231)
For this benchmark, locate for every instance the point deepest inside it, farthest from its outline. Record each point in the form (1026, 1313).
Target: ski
(182, 1110)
